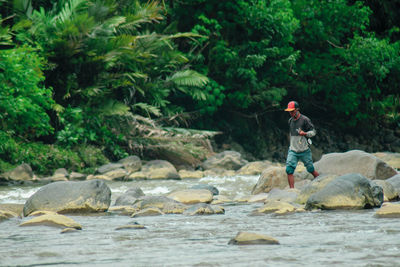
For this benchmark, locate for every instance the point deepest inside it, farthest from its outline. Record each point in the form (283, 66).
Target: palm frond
(188, 78)
(71, 8)
(112, 107)
(149, 109)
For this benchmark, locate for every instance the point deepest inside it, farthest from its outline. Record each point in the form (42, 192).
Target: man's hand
(302, 133)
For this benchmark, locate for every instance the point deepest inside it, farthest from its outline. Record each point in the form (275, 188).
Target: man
(301, 128)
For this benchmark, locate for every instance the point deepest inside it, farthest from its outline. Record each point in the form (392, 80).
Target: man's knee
(289, 170)
(310, 168)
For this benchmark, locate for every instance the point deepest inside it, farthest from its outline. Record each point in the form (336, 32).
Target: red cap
(292, 105)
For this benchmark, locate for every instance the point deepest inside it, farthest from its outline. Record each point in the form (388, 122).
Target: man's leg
(306, 158)
(291, 163)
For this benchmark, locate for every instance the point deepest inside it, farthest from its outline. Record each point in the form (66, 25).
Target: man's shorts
(294, 157)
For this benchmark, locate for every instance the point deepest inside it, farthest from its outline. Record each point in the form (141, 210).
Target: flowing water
(321, 238)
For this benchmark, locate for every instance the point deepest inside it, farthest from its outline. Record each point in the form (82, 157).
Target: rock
(316, 185)
(6, 214)
(229, 160)
(174, 208)
(246, 238)
(130, 227)
(57, 177)
(277, 194)
(388, 210)
(14, 208)
(154, 202)
(21, 173)
(131, 163)
(68, 230)
(148, 212)
(211, 188)
(42, 212)
(185, 174)
(123, 210)
(76, 176)
(116, 174)
(129, 197)
(350, 191)
(273, 177)
(61, 171)
(204, 209)
(192, 196)
(98, 177)
(56, 220)
(279, 207)
(254, 168)
(137, 176)
(66, 197)
(220, 199)
(354, 161)
(258, 198)
(395, 182)
(160, 169)
(391, 159)
(389, 192)
(109, 167)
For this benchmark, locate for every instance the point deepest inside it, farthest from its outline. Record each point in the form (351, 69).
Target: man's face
(293, 113)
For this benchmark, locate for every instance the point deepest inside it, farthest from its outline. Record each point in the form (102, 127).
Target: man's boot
(290, 179)
(315, 174)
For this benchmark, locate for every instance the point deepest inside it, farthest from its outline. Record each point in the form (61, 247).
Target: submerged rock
(68, 197)
(56, 220)
(204, 209)
(388, 210)
(246, 238)
(148, 212)
(192, 196)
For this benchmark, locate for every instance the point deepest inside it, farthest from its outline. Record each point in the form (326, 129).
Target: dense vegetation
(85, 81)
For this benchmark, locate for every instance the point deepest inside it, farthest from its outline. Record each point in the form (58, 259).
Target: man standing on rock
(301, 128)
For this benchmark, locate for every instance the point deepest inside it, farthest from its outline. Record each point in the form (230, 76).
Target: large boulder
(392, 159)
(350, 191)
(254, 168)
(274, 177)
(316, 185)
(355, 161)
(395, 182)
(229, 160)
(68, 197)
(20, 174)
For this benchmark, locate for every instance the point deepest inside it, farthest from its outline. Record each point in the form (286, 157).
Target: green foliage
(24, 100)
(343, 66)
(248, 51)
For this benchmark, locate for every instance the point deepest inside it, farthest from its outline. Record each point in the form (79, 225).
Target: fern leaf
(188, 78)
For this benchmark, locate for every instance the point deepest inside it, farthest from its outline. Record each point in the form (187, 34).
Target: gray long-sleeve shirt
(299, 143)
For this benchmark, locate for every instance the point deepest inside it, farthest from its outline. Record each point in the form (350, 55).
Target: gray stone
(229, 160)
(109, 167)
(129, 197)
(355, 161)
(68, 197)
(350, 191)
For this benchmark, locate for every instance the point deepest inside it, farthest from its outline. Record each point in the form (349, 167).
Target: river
(318, 238)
